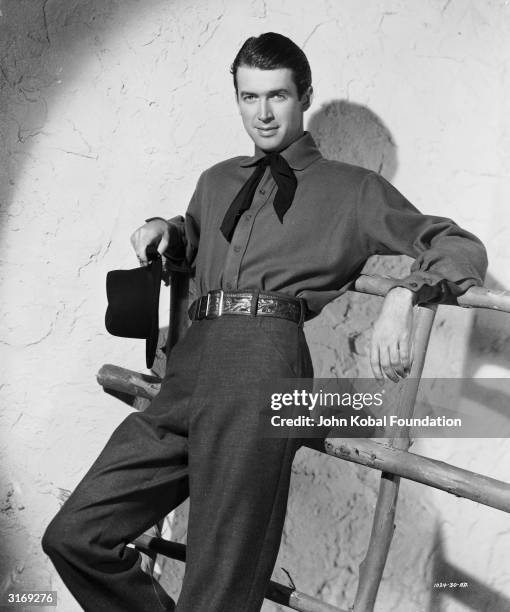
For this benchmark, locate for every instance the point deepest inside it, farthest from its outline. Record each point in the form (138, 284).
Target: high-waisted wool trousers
(199, 437)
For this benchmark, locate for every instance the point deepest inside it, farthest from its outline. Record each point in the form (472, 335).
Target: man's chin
(270, 144)
(267, 143)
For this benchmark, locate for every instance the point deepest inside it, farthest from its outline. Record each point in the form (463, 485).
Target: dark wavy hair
(270, 51)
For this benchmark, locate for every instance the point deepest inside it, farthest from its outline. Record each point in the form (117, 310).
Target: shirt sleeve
(184, 236)
(448, 259)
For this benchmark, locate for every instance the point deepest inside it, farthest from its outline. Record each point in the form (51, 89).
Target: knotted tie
(285, 180)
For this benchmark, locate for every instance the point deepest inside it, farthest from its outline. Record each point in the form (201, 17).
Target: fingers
(406, 358)
(385, 362)
(163, 244)
(143, 260)
(152, 233)
(375, 362)
(391, 336)
(389, 362)
(396, 363)
(141, 255)
(392, 361)
(139, 247)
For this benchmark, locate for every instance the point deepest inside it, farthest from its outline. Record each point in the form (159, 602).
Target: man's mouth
(267, 130)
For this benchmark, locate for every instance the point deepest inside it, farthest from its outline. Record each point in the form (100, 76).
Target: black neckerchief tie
(285, 180)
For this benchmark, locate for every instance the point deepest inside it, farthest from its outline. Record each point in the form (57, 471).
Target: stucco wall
(108, 113)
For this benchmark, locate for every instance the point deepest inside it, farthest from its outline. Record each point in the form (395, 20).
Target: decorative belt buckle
(208, 303)
(212, 302)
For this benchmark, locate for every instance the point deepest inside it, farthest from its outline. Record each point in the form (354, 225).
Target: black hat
(133, 304)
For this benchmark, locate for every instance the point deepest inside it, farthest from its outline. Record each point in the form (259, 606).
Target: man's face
(270, 107)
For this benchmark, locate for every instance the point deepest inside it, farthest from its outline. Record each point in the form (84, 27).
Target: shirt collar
(300, 154)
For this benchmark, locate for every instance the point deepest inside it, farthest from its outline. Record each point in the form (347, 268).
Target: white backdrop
(109, 112)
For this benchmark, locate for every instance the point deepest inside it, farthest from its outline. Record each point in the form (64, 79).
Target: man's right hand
(154, 232)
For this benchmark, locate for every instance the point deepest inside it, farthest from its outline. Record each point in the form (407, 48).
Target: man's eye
(248, 98)
(279, 96)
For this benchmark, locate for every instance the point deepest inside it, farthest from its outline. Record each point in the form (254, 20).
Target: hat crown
(133, 304)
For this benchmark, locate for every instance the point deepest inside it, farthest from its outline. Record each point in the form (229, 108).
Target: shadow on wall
(37, 38)
(473, 593)
(352, 133)
(489, 345)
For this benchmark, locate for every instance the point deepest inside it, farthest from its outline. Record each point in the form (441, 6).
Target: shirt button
(237, 248)
(262, 191)
(228, 285)
(248, 217)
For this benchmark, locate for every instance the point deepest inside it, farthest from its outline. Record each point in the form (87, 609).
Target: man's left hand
(391, 351)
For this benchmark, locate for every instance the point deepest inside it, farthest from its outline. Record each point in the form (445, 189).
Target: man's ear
(306, 99)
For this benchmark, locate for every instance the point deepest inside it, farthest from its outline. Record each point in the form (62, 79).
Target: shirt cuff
(433, 288)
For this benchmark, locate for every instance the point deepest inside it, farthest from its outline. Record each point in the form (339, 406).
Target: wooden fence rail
(279, 593)
(392, 458)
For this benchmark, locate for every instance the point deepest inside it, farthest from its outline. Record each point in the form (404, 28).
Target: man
(272, 239)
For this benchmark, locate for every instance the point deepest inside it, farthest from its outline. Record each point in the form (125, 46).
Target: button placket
(242, 233)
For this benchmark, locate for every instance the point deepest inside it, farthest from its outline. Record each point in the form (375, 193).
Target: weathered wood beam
(276, 592)
(383, 525)
(392, 458)
(475, 297)
(128, 381)
(480, 297)
(295, 600)
(430, 472)
(364, 451)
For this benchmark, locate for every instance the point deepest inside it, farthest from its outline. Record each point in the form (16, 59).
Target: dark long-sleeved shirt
(341, 215)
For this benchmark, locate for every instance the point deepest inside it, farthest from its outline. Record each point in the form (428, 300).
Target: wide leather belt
(249, 303)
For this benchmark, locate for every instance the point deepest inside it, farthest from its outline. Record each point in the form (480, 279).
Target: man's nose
(265, 112)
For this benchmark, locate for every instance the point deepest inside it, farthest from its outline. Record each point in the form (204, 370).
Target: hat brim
(151, 343)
